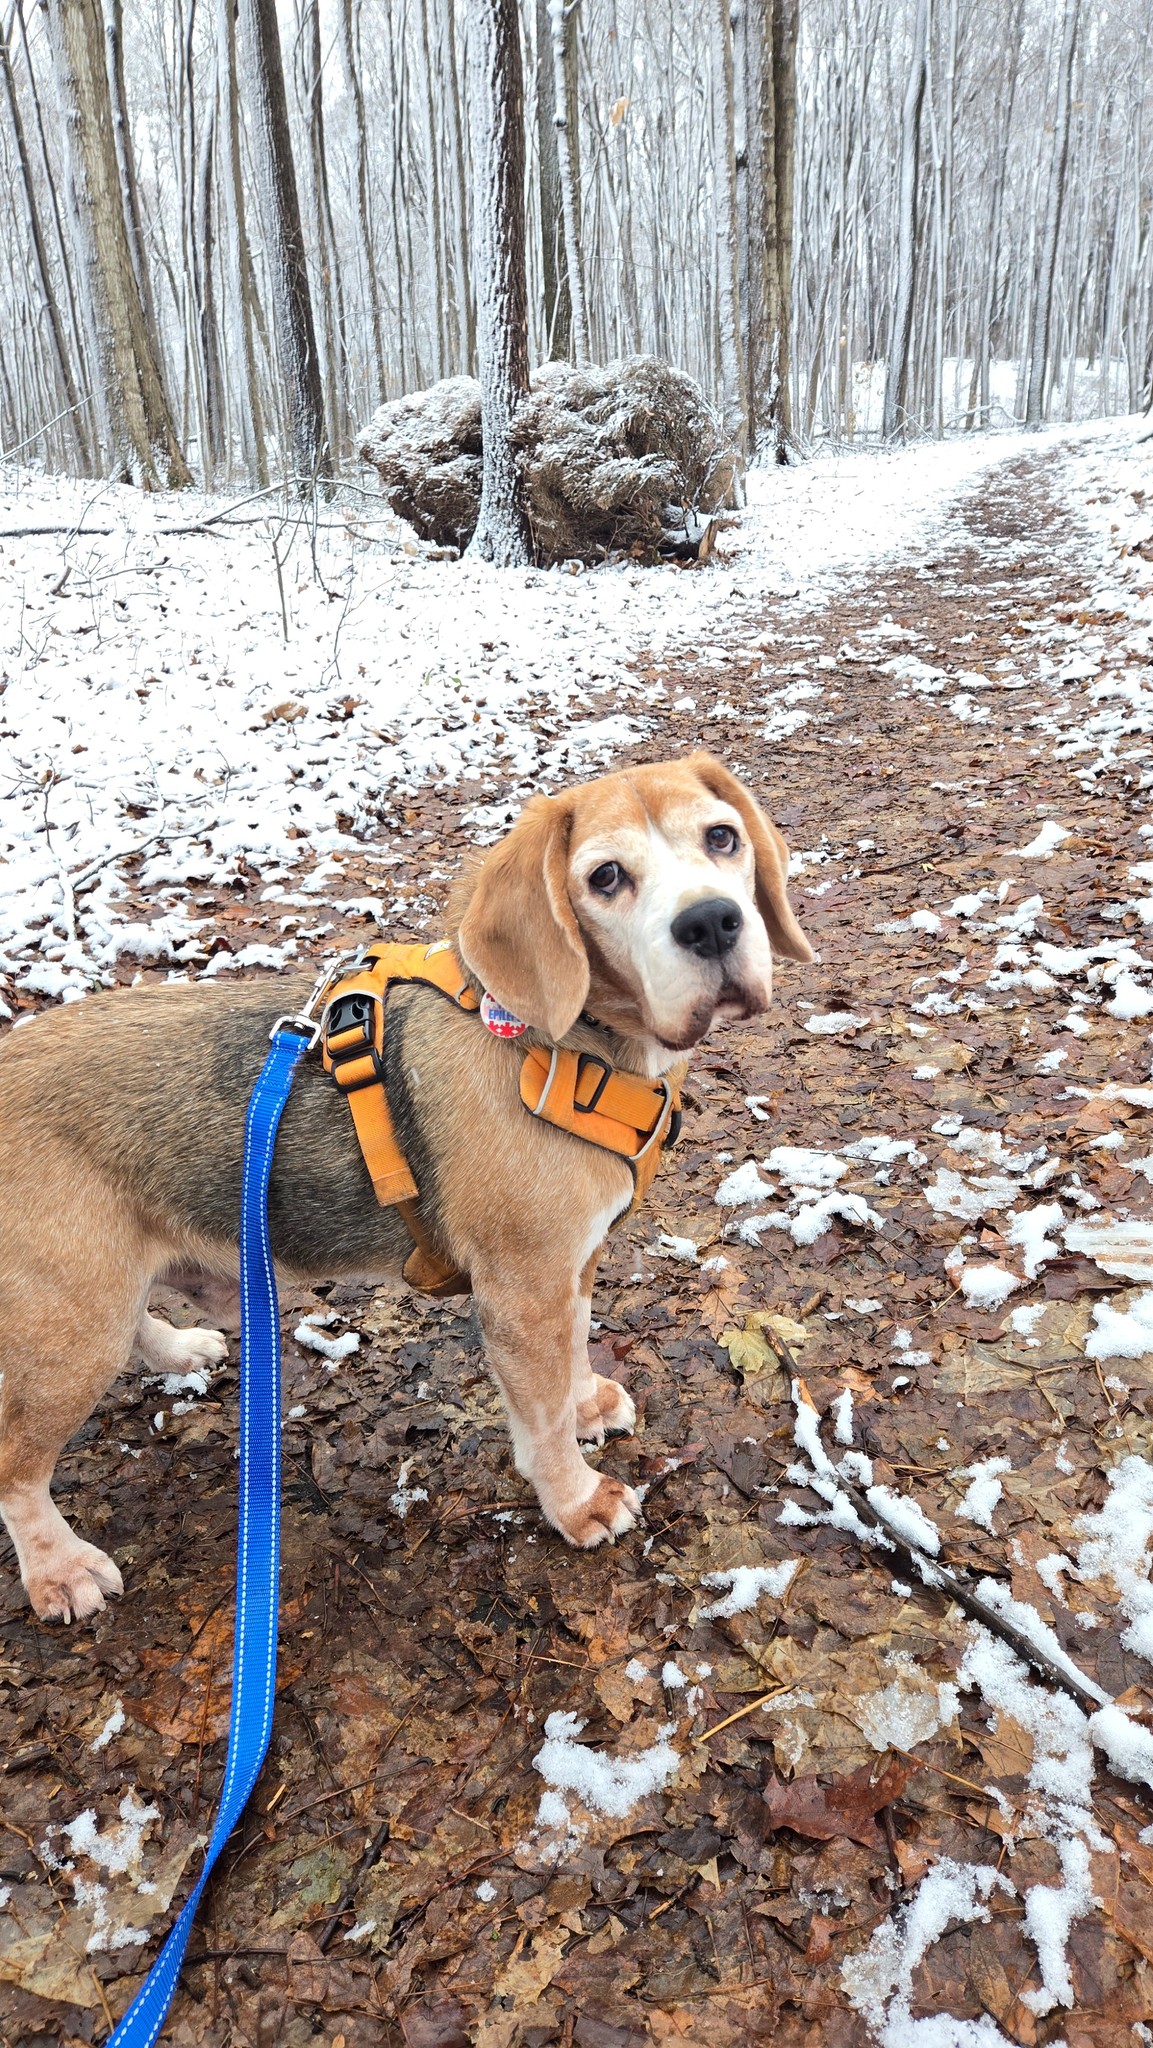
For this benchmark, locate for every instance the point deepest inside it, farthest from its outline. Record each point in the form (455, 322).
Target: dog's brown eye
(606, 879)
(721, 839)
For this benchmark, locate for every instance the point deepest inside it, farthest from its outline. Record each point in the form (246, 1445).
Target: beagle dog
(621, 918)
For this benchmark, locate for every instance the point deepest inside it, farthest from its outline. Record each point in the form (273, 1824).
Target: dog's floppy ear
(519, 933)
(770, 853)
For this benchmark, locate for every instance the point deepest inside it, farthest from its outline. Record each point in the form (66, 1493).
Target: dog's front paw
(70, 1584)
(610, 1511)
(609, 1411)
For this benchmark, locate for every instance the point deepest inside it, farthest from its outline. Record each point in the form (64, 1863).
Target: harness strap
(580, 1093)
(623, 1113)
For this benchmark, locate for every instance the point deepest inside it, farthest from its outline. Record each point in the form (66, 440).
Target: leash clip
(305, 1021)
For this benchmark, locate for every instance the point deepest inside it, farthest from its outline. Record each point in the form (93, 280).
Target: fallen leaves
(823, 1809)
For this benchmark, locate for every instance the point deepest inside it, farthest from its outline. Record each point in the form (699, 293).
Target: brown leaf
(990, 1981)
(843, 1807)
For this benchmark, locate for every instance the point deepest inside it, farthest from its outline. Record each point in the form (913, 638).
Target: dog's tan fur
(121, 1126)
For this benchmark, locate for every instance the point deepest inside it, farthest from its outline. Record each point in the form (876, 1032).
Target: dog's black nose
(709, 929)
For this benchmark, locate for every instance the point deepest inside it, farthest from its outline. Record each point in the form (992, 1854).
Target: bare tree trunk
(501, 534)
(348, 35)
(332, 290)
(292, 301)
(140, 437)
(76, 405)
(780, 223)
(463, 267)
(897, 369)
(205, 226)
(1047, 262)
(566, 120)
(554, 275)
(126, 162)
(725, 227)
(241, 278)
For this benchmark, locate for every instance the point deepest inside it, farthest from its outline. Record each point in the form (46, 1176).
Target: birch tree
(501, 534)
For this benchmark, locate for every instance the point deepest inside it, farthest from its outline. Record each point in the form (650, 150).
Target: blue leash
(258, 1535)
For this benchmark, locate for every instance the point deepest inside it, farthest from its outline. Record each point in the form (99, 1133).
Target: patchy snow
(1045, 845)
(334, 1349)
(207, 695)
(1122, 1333)
(836, 1021)
(1125, 1249)
(803, 1167)
(116, 1849)
(747, 1584)
(112, 1727)
(1115, 1546)
(879, 1980)
(984, 1491)
(406, 1496)
(743, 1185)
(605, 1784)
(986, 1287)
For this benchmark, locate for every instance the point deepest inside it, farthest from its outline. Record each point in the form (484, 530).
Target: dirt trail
(431, 1625)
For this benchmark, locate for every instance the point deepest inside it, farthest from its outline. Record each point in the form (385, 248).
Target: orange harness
(578, 1092)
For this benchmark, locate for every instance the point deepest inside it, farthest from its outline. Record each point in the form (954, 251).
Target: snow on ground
(255, 690)
(206, 695)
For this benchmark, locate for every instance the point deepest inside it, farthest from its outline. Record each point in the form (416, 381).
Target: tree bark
(501, 534)
(137, 428)
(308, 445)
(897, 369)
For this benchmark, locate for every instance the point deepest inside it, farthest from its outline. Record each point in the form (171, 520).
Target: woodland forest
(231, 228)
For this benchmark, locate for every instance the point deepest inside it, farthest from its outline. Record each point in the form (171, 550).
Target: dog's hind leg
(73, 1282)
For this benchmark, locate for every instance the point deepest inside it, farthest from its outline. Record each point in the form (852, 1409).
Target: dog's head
(653, 899)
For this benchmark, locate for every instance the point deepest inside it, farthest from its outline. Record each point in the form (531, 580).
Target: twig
(772, 1694)
(939, 1577)
(966, 1784)
(347, 1896)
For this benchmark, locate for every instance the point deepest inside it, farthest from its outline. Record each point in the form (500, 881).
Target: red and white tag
(500, 1022)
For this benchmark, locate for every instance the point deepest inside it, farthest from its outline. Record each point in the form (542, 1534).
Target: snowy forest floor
(910, 1824)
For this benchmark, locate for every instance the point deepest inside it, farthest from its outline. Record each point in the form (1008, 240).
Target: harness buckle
(350, 1038)
(585, 1060)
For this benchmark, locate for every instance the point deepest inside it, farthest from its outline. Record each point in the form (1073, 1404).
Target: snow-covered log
(628, 455)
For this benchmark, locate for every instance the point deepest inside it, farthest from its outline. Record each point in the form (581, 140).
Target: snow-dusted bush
(625, 455)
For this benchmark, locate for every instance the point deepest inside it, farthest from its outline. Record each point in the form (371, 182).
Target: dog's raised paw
(611, 1511)
(71, 1585)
